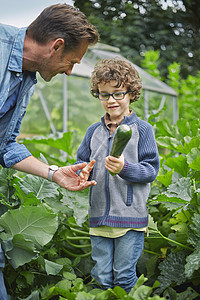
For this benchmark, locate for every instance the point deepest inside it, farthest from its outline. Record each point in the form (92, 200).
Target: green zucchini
(121, 138)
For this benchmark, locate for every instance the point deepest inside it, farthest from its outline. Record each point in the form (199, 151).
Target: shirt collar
(113, 125)
(16, 57)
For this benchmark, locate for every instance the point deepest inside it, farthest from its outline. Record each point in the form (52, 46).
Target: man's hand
(114, 164)
(66, 177)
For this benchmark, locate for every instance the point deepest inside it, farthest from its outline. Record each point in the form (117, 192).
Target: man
(56, 40)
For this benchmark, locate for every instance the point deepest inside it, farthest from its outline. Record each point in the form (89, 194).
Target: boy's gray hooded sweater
(120, 201)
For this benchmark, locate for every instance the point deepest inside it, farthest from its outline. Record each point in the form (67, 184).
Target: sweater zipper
(107, 192)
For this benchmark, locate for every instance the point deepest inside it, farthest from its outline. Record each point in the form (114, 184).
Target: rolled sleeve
(13, 154)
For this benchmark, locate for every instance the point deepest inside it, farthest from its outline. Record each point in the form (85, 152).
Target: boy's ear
(132, 96)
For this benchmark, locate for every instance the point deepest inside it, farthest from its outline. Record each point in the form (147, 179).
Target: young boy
(118, 215)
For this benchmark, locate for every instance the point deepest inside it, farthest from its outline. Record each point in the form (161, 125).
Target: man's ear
(57, 45)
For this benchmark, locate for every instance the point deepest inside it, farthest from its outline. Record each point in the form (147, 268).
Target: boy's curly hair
(116, 69)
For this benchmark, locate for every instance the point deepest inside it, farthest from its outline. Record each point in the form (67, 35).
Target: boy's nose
(111, 99)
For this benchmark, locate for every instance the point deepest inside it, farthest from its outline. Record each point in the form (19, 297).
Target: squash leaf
(177, 194)
(36, 224)
(166, 178)
(171, 268)
(193, 262)
(179, 164)
(193, 159)
(78, 202)
(58, 141)
(52, 268)
(19, 251)
(40, 187)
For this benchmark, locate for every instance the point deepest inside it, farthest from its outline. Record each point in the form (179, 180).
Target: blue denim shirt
(11, 57)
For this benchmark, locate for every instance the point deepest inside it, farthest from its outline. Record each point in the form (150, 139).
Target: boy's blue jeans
(116, 258)
(3, 293)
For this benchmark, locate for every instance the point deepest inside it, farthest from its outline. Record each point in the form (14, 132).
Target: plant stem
(77, 255)
(79, 231)
(174, 242)
(151, 252)
(78, 246)
(77, 238)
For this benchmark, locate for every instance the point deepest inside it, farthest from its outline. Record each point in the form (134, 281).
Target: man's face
(60, 62)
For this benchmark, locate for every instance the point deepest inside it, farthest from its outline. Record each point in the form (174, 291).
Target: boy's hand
(85, 173)
(114, 164)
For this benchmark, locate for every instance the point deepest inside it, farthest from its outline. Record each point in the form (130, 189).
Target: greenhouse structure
(151, 86)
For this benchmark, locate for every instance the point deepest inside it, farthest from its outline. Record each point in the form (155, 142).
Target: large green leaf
(40, 187)
(179, 164)
(195, 225)
(181, 232)
(193, 159)
(177, 194)
(166, 198)
(58, 140)
(36, 224)
(78, 202)
(6, 178)
(190, 143)
(172, 270)
(26, 199)
(19, 251)
(193, 262)
(188, 294)
(188, 128)
(184, 145)
(182, 190)
(168, 142)
(166, 179)
(52, 268)
(167, 130)
(184, 127)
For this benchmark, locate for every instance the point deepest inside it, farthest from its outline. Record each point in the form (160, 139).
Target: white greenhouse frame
(85, 68)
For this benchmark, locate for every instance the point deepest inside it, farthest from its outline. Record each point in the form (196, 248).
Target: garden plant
(44, 228)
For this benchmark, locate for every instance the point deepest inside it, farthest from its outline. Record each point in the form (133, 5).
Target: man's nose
(69, 71)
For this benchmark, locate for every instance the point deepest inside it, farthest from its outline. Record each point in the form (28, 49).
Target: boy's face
(117, 109)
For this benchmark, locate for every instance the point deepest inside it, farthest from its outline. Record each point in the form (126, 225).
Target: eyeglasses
(116, 96)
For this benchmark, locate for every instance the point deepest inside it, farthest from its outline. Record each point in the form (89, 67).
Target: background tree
(138, 26)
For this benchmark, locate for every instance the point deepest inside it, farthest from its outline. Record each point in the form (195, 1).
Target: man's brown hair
(63, 21)
(119, 70)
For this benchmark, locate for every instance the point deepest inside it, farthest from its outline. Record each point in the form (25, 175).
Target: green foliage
(178, 201)
(150, 62)
(44, 228)
(58, 140)
(45, 248)
(45, 234)
(34, 216)
(171, 27)
(188, 92)
(175, 202)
